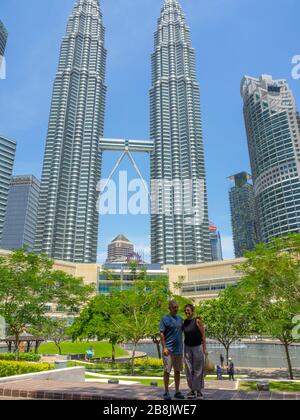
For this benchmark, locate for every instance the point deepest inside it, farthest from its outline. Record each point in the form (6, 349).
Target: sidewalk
(50, 390)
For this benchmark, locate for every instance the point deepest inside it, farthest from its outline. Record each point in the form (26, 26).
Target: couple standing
(172, 328)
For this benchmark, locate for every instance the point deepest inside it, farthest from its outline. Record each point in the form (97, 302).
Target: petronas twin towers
(68, 218)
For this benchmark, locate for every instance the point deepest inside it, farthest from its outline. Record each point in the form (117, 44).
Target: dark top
(171, 326)
(231, 368)
(193, 336)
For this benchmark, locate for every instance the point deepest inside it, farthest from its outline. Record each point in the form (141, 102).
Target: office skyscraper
(3, 38)
(119, 249)
(216, 243)
(274, 147)
(178, 155)
(243, 214)
(20, 219)
(67, 227)
(7, 158)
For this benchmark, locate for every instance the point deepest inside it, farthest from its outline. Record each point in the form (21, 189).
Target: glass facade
(274, 144)
(3, 39)
(117, 277)
(216, 243)
(176, 130)
(7, 158)
(67, 227)
(244, 218)
(20, 219)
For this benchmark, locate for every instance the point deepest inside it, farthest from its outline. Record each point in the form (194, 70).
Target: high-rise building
(216, 243)
(177, 236)
(20, 219)
(3, 39)
(7, 158)
(119, 250)
(67, 227)
(274, 147)
(244, 219)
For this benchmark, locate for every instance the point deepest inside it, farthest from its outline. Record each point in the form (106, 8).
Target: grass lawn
(274, 386)
(146, 382)
(127, 371)
(101, 349)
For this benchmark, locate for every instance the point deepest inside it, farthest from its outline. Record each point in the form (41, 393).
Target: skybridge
(127, 147)
(141, 146)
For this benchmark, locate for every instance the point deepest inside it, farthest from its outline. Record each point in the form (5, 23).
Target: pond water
(244, 355)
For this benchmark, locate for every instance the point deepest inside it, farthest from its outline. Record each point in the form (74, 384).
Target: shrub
(148, 362)
(26, 357)
(9, 368)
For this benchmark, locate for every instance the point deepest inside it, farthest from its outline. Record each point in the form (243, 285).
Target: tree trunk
(227, 348)
(58, 348)
(17, 346)
(133, 358)
(158, 350)
(288, 357)
(157, 343)
(113, 352)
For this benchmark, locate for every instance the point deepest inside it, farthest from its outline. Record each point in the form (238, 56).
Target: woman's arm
(203, 333)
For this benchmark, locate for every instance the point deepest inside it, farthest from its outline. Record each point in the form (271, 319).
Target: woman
(195, 351)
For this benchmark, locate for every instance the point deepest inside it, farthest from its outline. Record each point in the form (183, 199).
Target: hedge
(8, 368)
(23, 357)
(149, 362)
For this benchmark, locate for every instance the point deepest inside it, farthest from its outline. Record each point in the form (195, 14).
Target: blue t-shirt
(171, 326)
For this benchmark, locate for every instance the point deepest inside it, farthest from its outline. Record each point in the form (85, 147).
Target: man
(172, 344)
(222, 360)
(231, 370)
(89, 354)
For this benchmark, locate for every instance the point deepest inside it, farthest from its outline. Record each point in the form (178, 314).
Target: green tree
(56, 330)
(162, 296)
(227, 319)
(271, 272)
(276, 321)
(28, 283)
(141, 307)
(271, 282)
(137, 270)
(95, 321)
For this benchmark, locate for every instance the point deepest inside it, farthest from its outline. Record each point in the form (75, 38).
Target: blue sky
(231, 37)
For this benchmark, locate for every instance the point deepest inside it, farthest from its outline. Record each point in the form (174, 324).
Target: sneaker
(200, 396)
(179, 396)
(167, 397)
(191, 395)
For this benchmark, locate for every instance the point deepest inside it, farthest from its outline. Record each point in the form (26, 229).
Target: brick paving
(50, 390)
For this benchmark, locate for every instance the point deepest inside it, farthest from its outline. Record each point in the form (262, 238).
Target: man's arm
(163, 344)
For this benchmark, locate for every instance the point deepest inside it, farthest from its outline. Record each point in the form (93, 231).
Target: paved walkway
(269, 373)
(50, 390)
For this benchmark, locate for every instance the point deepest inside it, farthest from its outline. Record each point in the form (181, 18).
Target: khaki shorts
(173, 362)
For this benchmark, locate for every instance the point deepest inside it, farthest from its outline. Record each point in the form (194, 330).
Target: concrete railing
(74, 374)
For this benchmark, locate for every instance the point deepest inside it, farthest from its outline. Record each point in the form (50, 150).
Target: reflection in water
(244, 355)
